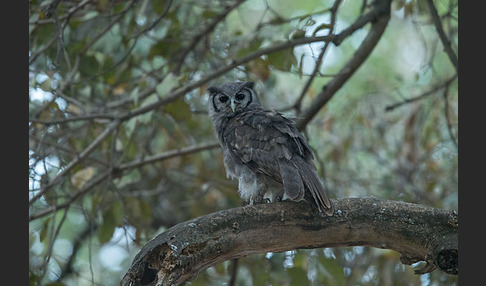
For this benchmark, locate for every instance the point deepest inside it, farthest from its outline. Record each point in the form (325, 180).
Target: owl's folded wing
(270, 144)
(260, 138)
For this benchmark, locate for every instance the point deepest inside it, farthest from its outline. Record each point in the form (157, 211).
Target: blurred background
(121, 147)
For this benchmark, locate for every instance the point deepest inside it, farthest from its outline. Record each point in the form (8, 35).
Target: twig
(113, 171)
(74, 118)
(333, 11)
(448, 121)
(443, 37)
(423, 95)
(215, 21)
(112, 126)
(167, 155)
(174, 95)
(234, 272)
(67, 203)
(107, 28)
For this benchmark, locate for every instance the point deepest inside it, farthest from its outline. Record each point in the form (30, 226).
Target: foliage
(121, 147)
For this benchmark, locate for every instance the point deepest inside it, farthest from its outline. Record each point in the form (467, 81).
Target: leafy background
(121, 147)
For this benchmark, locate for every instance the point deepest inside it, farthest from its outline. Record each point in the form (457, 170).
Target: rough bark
(418, 232)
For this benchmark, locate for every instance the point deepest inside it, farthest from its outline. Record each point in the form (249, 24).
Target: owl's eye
(223, 98)
(240, 96)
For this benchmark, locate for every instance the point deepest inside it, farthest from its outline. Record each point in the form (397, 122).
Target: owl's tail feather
(316, 188)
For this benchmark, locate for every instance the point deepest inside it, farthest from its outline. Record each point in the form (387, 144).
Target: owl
(262, 149)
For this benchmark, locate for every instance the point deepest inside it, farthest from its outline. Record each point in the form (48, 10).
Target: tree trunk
(418, 232)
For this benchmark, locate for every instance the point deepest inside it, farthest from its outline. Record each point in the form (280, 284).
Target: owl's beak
(233, 105)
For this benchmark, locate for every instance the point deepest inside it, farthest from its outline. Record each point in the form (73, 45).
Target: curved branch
(417, 232)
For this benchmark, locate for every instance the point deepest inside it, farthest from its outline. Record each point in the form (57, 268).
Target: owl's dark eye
(240, 96)
(223, 98)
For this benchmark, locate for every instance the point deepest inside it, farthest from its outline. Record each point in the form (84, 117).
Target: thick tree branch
(418, 232)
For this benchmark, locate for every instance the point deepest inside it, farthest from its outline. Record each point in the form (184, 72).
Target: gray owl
(263, 149)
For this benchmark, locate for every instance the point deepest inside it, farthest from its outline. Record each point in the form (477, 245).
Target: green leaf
(140, 211)
(298, 276)
(298, 34)
(169, 83)
(45, 230)
(178, 109)
(254, 44)
(112, 218)
(333, 272)
(158, 6)
(209, 14)
(89, 65)
(282, 60)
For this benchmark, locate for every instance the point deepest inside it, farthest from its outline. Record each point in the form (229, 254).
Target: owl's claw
(258, 200)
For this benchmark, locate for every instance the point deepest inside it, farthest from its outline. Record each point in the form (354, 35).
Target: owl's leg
(248, 186)
(272, 189)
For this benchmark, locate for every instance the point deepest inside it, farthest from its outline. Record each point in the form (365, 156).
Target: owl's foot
(258, 200)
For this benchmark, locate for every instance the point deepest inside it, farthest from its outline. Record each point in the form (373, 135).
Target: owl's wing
(269, 144)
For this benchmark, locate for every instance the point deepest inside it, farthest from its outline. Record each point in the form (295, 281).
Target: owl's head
(233, 97)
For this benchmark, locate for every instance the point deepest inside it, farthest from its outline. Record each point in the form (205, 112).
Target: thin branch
(442, 35)
(448, 121)
(174, 95)
(87, 187)
(107, 28)
(234, 272)
(423, 95)
(66, 16)
(167, 155)
(73, 118)
(114, 171)
(60, 37)
(196, 39)
(68, 269)
(379, 16)
(307, 85)
(112, 126)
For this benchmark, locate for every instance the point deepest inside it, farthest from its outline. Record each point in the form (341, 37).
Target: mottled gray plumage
(263, 149)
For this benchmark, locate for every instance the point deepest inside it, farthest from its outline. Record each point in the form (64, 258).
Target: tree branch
(418, 232)
(215, 21)
(433, 90)
(297, 104)
(442, 35)
(379, 16)
(110, 128)
(115, 171)
(167, 155)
